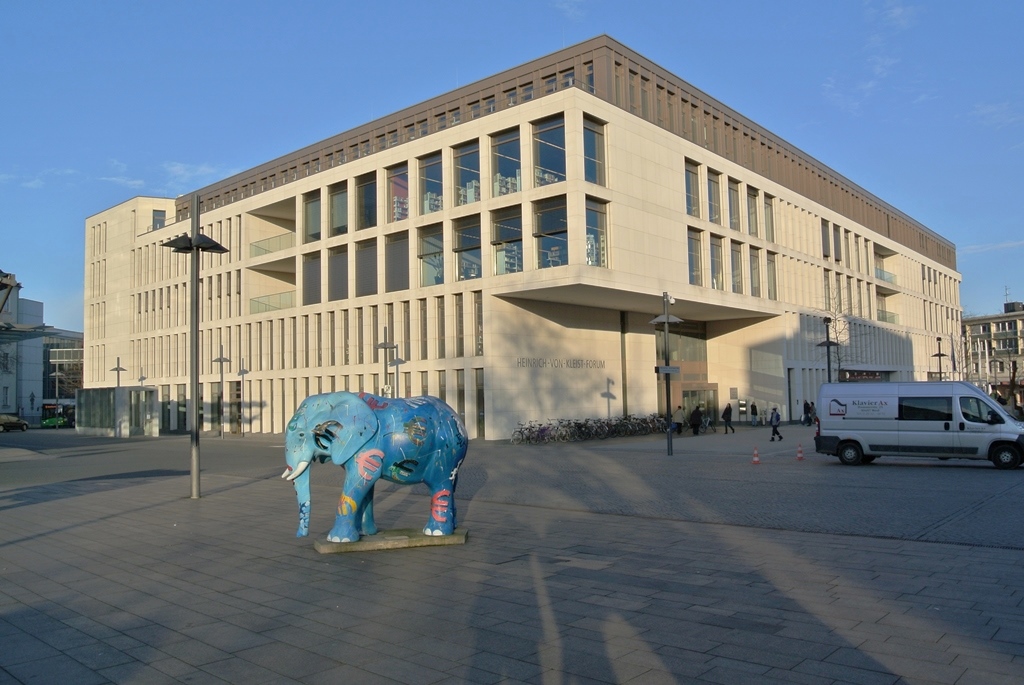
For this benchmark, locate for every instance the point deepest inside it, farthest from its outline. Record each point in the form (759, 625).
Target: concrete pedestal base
(400, 538)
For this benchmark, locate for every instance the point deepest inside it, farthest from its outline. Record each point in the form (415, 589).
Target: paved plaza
(598, 562)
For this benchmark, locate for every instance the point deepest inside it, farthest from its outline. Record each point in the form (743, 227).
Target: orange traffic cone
(799, 452)
(757, 457)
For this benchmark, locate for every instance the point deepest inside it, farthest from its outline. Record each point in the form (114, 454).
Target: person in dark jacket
(805, 420)
(727, 418)
(696, 416)
(775, 420)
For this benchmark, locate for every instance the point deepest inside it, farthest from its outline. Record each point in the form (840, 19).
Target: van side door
(926, 427)
(973, 427)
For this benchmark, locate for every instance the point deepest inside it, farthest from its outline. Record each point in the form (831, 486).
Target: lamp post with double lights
(193, 244)
(667, 370)
(396, 362)
(118, 369)
(222, 360)
(386, 348)
(828, 345)
(939, 355)
(241, 397)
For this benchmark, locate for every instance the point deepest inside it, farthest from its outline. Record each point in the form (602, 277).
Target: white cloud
(34, 183)
(124, 181)
(572, 9)
(996, 115)
(990, 247)
(186, 173)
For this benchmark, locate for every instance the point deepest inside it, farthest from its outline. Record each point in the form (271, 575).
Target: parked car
(12, 423)
(54, 422)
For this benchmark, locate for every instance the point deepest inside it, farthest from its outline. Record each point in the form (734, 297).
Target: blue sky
(920, 102)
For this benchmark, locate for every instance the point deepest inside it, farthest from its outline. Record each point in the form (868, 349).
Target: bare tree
(843, 336)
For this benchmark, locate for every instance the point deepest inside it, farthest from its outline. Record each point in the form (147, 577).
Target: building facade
(992, 347)
(506, 246)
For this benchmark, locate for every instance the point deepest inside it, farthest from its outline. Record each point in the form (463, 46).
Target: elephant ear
(351, 425)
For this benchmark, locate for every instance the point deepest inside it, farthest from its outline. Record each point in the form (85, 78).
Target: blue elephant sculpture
(416, 440)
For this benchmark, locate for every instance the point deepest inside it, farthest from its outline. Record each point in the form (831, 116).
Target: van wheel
(1005, 457)
(850, 454)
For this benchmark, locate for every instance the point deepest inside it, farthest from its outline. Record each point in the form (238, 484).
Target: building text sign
(559, 363)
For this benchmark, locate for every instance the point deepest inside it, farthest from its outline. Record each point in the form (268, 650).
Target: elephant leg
(365, 515)
(355, 508)
(442, 504)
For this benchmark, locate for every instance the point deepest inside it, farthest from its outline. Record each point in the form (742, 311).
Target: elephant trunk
(300, 479)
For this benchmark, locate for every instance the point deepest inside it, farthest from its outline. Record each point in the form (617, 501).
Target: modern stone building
(514, 239)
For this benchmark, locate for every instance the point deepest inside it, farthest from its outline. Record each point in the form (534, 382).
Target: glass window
(755, 272)
(339, 209)
(396, 262)
(467, 173)
(505, 162)
(692, 192)
(717, 264)
(398, 193)
(507, 239)
(975, 410)
(837, 245)
(366, 268)
(769, 219)
(460, 325)
(441, 335)
(366, 201)
(773, 291)
(752, 226)
(737, 267)
(734, 205)
(693, 246)
(431, 255)
(549, 151)
(926, 408)
(714, 197)
(311, 278)
(431, 184)
(593, 152)
(337, 273)
(597, 233)
(466, 235)
(551, 229)
(159, 218)
(311, 217)
(826, 239)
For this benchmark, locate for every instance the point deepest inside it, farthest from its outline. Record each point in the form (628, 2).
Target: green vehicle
(54, 422)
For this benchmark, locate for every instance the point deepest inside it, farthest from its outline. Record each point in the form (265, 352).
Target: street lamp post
(241, 397)
(396, 362)
(118, 369)
(828, 345)
(221, 360)
(666, 319)
(386, 348)
(939, 355)
(193, 244)
(56, 376)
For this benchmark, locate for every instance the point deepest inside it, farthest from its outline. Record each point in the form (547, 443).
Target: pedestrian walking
(678, 418)
(727, 418)
(753, 414)
(805, 420)
(813, 416)
(775, 420)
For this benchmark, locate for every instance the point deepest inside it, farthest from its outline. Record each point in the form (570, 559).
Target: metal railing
(884, 275)
(270, 303)
(275, 244)
(887, 317)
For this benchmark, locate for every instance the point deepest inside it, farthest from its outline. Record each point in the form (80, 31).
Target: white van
(859, 422)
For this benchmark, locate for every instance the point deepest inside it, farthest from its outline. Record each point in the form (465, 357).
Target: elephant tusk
(296, 473)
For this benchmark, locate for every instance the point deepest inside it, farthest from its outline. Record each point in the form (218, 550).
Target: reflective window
(366, 202)
(505, 163)
(692, 192)
(311, 217)
(467, 173)
(714, 197)
(597, 233)
(431, 255)
(466, 235)
(693, 250)
(431, 184)
(339, 209)
(593, 152)
(737, 268)
(507, 239)
(398, 193)
(549, 151)
(717, 264)
(552, 232)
